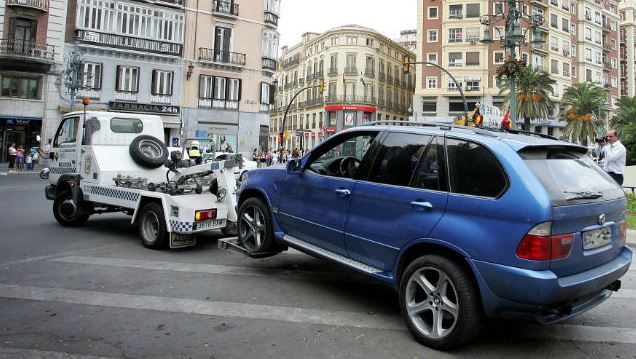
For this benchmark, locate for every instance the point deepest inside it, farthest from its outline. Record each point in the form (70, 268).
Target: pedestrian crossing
(294, 313)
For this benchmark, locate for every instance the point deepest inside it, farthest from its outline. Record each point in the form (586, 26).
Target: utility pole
(72, 75)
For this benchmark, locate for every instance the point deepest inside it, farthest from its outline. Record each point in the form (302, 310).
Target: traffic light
(287, 135)
(321, 86)
(406, 66)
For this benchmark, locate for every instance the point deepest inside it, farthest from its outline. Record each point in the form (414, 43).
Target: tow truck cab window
(126, 125)
(67, 132)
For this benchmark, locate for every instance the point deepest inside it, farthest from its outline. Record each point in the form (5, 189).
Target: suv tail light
(622, 233)
(539, 245)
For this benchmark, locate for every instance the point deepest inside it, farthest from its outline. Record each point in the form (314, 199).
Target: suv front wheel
(439, 302)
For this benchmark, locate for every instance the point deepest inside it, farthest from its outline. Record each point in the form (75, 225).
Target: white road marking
(61, 254)
(293, 314)
(18, 353)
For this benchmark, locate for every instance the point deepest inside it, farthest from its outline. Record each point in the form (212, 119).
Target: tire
(255, 230)
(148, 151)
(65, 214)
(152, 227)
(448, 293)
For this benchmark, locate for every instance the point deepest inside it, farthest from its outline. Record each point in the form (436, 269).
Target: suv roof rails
(401, 123)
(520, 132)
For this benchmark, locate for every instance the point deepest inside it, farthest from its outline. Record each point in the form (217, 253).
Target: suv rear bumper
(512, 289)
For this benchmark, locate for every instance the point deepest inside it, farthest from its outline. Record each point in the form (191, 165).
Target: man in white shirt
(615, 157)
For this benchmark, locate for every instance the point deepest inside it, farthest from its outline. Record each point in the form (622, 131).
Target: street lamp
(511, 37)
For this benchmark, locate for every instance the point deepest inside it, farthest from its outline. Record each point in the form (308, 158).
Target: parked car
(464, 223)
(241, 170)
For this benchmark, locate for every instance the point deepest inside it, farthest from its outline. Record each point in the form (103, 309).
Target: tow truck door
(64, 156)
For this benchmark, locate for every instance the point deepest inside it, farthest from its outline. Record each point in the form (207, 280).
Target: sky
(386, 17)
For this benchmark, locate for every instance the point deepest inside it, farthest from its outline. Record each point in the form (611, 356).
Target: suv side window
(474, 170)
(397, 158)
(432, 171)
(67, 131)
(346, 158)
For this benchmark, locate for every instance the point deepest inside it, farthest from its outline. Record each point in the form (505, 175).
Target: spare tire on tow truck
(148, 151)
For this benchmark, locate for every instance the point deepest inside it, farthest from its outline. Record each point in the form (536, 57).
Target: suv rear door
(402, 199)
(585, 200)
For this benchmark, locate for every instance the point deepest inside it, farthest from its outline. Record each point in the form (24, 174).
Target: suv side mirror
(294, 166)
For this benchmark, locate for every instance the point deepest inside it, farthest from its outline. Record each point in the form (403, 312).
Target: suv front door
(403, 199)
(314, 203)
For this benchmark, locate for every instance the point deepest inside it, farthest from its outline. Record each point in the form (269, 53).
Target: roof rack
(401, 123)
(520, 132)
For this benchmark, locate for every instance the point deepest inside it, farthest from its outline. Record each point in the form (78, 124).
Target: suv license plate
(211, 224)
(597, 238)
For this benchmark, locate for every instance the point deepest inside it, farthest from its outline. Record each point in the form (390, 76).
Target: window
(334, 40)
(162, 82)
(92, 76)
(126, 125)
(205, 87)
(432, 58)
(565, 25)
(455, 12)
(369, 42)
(397, 158)
(566, 69)
(20, 87)
(429, 104)
(554, 67)
(431, 82)
(454, 35)
(472, 58)
(352, 40)
(472, 10)
(432, 12)
(554, 21)
(67, 131)
(266, 98)
(588, 54)
(432, 35)
(499, 57)
(127, 79)
(554, 43)
(472, 34)
(588, 34)
(432, 172)
(474, 170)
(454, 59)
(270, 44)
(355, 145)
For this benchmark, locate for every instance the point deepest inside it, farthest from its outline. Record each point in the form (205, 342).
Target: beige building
(580, 44)
(627, 47)
(230, 56)
(363, 77)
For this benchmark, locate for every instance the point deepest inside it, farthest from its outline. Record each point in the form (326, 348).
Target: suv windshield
(570, 176)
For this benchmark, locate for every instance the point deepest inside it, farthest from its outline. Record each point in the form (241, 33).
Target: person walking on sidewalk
(615, 157)
(12, 152)
(19, 159)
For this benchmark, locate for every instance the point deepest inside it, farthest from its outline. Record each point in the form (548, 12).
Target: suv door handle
(422, 204)
(343, 192)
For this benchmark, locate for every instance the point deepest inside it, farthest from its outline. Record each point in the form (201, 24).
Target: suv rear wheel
(255, 229)
(439, 302)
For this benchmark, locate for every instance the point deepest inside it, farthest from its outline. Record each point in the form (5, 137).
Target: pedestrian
(600, 150)
(269, 157)
(19, 158)
(29, 162)
(615, 157)
(12, 152)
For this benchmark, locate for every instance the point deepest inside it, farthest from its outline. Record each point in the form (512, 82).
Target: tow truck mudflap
(182, 240)
(49, 192)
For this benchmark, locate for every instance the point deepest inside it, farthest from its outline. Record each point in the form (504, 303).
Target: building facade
(579, 44)
(231, 53)
(131, 56)
(627, 54)
(363, 81)
(31, 51)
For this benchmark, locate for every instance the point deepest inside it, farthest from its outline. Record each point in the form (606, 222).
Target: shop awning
(171, 122)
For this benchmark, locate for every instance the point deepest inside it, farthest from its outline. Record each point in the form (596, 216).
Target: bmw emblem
(601, 219)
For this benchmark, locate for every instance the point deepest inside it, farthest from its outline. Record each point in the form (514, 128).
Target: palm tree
(533, 94)
(581, 106)
(625, 114)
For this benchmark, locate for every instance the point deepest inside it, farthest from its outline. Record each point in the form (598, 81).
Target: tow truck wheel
(67, 212)
(255, 230)
(152, 227)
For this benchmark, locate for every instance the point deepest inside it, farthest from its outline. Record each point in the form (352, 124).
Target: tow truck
(105, 162)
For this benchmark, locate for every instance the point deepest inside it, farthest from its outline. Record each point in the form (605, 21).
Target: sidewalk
(631, 238)
(4, 170)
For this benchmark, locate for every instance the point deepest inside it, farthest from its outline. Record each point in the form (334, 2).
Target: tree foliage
(624, 121)
(582, 106)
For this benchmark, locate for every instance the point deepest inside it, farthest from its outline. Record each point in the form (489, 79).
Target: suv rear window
(571, 177)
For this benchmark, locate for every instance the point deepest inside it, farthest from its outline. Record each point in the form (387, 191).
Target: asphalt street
(95, 292)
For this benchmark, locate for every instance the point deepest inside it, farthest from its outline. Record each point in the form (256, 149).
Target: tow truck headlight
(205, 214)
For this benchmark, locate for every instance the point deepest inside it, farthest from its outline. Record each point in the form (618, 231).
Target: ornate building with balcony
(131, 56)
(230, 55)
(579, 44)
(627, 50)
(30, 52)
(363, 81)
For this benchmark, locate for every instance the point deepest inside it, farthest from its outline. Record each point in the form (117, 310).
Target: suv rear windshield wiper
(583, 195)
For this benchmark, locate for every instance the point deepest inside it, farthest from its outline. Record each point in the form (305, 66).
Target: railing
(161, 99)
(225, 7)
(314, 102)
(309, 77)
(128, 42)
(34, 4)
(269, 64)
(29, 49)
(350, 70)
(333, 71)
(90, 93)
(389, 79)
(175, 2)
(225, 57)
(218, 104)
(271, 18)
(291, 62)
(318, 75)
(369, 72)
(382, 76)
(351, 99)
(126, 96)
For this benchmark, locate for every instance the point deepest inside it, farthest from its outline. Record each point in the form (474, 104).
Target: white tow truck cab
(115, 162)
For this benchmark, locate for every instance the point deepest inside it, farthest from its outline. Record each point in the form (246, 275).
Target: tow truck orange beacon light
(86, 101)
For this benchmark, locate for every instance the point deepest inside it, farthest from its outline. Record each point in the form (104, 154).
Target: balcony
(161, 99)
(17, 51)
(225, 8)
(542, 3)
(176, 3)
(350, 70)
(126, 96)
(269, 64)
(472, 88)
(217, 104)
(455, 15)
(221, 57)
(540, 48)
(42, 5)
(389, 79)
(271, 18)
(368, 100)
(554, 2)
(333, 71)
(382, 76)
(369, 73)
(129, 43)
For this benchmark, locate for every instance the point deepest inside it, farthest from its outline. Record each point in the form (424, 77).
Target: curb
(631, 237)
(20, 173)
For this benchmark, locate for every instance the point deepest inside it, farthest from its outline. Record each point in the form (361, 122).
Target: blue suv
(464, 223)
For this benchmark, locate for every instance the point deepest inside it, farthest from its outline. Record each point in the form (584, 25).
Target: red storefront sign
(350, 108)
(330, 130)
